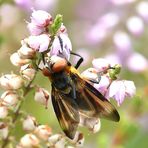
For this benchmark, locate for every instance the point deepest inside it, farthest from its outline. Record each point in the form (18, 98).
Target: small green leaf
(57, 23)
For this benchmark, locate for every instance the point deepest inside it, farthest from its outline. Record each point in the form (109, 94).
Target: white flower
(25, 52)
(29, 124)
(42, 96)
(17, 60)
(93, 124)
(43, 132)
(3, 111)
(29, 141)
(11, 81)
(9, 98)
(27, 72)
(3, 130)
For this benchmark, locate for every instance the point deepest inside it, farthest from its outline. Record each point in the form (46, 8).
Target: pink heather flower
(61, 47)
(135, 25)
(100, 64)
(142, 9)
(39, 43)
(137, 62)
(34, 29)
(103, 84)
(41, 18)
(119, 90)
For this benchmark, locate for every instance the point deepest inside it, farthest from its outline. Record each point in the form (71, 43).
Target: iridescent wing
(91, 102)
(66, 111)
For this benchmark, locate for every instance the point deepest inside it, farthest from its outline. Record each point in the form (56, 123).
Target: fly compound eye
(57, 63)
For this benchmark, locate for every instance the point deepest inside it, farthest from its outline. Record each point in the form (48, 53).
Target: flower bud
(34, 29)
(41, 18)
(61, 143)
(25, 52)
(27, 72)
(61, 46)
(3, 130)
(9, 98)
(43, 132)
(3, 111)
(17, 60)
(29, 141)
(42, 96)
(93, 124)
(29, 124)
(54, 138)
(11, 81)
(100, 64)
(78, 139)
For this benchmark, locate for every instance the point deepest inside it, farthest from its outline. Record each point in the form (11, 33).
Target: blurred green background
(80, 16)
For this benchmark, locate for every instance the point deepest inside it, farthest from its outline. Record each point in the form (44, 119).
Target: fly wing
(66, 111)
(91, 102)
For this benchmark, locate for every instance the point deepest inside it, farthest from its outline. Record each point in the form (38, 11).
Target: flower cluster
(108, 82)
(49, 38)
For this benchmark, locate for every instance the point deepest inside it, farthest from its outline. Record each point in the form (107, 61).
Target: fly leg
(79, 61)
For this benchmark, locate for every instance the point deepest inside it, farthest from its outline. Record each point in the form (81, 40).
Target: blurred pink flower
(122, 42)
(41, 18)
(36, 4)
(25, 4)
(102, 28)
(113, 59)
(61, 46)
(137, 62)
(119, 90)
(122, 2)
(142, 9)
(39, 43)
(135, 25)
